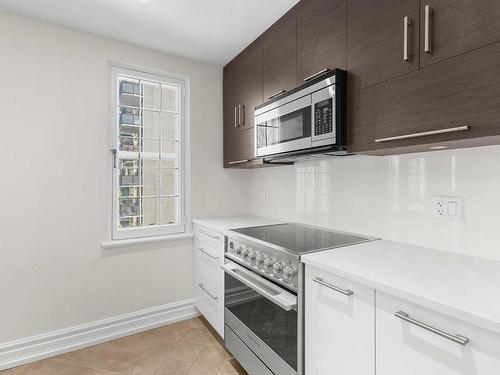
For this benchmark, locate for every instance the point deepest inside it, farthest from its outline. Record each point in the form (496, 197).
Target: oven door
(285, 128)
(263, 316)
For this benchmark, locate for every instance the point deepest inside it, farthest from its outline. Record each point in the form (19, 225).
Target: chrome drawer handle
(207, 292)
(235, 116)
(316, 74)
(207, 253)
(346, 292)
(424, 134)
(276, 94)
(459, 339)
(238, 161)
(208, 234)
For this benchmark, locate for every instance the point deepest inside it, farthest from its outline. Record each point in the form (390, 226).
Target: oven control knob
(278, 267)
(269, 262)
(290, 271)
(245, 253)
(252, 255)
(260, 259)
(239, 250)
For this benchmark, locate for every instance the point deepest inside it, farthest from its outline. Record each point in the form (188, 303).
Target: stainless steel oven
(309, 119)
(261, 318)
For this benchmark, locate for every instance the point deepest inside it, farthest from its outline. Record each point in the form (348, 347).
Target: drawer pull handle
(406, 23)
(427, 31)
(322, 71)
(276, 94)
(207, 253)
(208, 234)
(346, 292)
(238, 161)
(202, 287)
(424, 134)
(459, 339)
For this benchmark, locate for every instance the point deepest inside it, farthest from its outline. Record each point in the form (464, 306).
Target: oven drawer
(210, 238)
(207, 266)
(247, 359)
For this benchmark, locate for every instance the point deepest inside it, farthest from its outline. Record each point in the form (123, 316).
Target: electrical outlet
(447, 208)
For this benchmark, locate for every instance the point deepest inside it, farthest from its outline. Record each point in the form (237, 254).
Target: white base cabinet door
(339, 326)
(415, 348)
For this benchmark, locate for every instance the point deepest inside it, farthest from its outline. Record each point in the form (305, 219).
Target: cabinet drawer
(207, 267)
(207, 303)
(339, 326)
(209, 237)
(405, 348)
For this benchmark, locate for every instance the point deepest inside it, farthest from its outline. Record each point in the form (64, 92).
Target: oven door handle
(279, 296)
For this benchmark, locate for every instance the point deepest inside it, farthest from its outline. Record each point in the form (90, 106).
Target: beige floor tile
(190, 347)
(231, 367)
(172, 367)
(179, 351)
(53, 367)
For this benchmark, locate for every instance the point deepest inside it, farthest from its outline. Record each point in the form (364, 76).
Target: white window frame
(173, 230)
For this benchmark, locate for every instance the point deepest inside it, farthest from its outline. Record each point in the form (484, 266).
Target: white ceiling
(212, 31)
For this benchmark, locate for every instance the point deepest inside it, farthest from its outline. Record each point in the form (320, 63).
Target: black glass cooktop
(300, 239)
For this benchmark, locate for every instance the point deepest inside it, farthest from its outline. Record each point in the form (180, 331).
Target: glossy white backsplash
(390, 197)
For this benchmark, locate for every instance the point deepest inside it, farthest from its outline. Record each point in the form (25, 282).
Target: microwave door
(286, 128)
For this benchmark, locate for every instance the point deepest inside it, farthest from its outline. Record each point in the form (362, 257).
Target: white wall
(390, 197)
(54, 123)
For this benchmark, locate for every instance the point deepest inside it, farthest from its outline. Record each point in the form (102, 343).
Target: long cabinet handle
(459, 339)
(208, 234)
(346, 292)
(238, 161)
(406, 24)
(207, 253)
(424, 134)
(276, 94)
(202, 287)
(427, 30)
(241, 115)
(322, 71)
(235, 116)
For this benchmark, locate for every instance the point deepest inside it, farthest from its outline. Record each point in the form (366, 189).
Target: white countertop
(460, 286)
(223, 223)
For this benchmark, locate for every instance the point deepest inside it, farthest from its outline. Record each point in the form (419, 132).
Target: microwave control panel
(323, 117)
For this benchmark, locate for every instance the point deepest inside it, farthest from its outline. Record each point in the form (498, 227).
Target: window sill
(145, 240)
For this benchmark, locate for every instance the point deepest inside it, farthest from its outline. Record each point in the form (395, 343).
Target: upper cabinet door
(449, 27)
(321, 36)
(280, 56)
(243, 88)
(382, 40)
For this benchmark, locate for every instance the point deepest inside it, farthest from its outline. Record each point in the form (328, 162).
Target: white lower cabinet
(339, 325)
(208, 277)
(411, 348)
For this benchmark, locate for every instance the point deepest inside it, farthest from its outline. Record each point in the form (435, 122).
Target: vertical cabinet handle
(427, 30)
(241, 115)
(406, 24)
(235, 117)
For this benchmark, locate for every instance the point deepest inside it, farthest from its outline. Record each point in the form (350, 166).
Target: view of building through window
(147, 153)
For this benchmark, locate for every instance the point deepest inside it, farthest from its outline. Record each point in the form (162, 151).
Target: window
(148, 133)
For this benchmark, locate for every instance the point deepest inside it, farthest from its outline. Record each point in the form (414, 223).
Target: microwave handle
(286, 300)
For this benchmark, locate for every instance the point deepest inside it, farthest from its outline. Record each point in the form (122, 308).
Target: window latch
(113, 151)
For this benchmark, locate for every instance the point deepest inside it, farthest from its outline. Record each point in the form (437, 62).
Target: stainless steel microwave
(310, 119)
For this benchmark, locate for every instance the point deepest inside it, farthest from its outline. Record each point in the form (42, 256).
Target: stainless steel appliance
(263, 315)
(309, 119)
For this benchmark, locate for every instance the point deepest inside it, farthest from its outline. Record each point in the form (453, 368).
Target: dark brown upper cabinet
(382, 40)
(321, 37)
(280, 56)
(449, 27)
(242, 88)
(453, 104)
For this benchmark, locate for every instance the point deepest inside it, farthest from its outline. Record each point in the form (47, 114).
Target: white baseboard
(18, 352)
